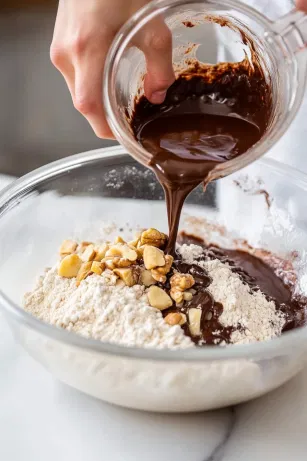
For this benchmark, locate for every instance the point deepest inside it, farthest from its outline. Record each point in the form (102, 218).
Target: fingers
(156, 43)
(302, 5)
(88, 92)
(81, 61)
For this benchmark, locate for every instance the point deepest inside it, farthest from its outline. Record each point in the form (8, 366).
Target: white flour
(258, 316)
(102, 310)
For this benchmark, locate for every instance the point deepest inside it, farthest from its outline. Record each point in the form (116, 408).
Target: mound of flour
(103, 310)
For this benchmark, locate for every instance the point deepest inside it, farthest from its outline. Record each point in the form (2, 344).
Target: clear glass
(280, 46)
(80, 197)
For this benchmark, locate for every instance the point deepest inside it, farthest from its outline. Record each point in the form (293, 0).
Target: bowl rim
(208, 353)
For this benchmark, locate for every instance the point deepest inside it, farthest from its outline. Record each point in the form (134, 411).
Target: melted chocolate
(254, 272)
(211, 114)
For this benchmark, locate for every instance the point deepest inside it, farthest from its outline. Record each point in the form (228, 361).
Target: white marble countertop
(43, 419)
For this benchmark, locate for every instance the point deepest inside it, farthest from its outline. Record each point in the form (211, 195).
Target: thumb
(156, 43)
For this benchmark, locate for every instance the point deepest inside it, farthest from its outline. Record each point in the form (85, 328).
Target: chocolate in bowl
(81, 192)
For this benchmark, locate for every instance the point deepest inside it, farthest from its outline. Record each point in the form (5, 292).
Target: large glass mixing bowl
(81, 197)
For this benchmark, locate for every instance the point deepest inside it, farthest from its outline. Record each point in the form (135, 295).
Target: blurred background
(38, 123)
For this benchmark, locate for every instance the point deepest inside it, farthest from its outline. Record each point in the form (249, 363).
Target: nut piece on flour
(88, 254)
(153, 257)
(119, 239)
(194, 321)
(82, 246)
(127, 275)
(68, 247)
(159, 273)
(147, 279)
(134, 243)
(153, 237)
(175, 318)
(84, 271)
(101, 251)
(69, 266)
(122, 250)
(97, 267)
(158, 298)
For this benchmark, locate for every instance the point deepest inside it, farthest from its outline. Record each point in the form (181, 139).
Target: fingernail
(158, 97)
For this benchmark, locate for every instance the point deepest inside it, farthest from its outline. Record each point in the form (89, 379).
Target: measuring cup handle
(293, 28)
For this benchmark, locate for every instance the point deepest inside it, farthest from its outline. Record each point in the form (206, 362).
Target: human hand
(301, 5)
(84, 31)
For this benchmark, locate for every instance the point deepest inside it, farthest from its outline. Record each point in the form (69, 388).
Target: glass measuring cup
(280, 46)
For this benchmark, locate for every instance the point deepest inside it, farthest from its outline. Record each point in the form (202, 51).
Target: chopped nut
(88, 254)
(182, 282)
(173, 318)
(134, 243)
(82, 246)
(97, 267)
(101, 251)
(194, 321)
(158, 298)
(147, 279)
(187, 296)
(128, 276)
(122, 262)
(157, 276)
(176, 295)
(69, 266)
(123, 250)
(140, 250)
(183, 319)
(159, 273)
(109, 263)
(119, 239)
(84, 271)
(153, 257)
(68, 247)
(153, 237)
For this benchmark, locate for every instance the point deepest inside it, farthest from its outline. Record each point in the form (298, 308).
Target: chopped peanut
(134, 243)
(97, 267)
(128, 276)
(147, 279)
(159, 273)
(101, 251)
(69, 266)
(119, 239)
(176, 295)
(82, 246)
(158, 298)
(122, 250)
(68, 247)
(153, 257)
(88, 254)
(84, 271)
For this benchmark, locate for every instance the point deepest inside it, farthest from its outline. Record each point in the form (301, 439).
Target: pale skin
(84, 31)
